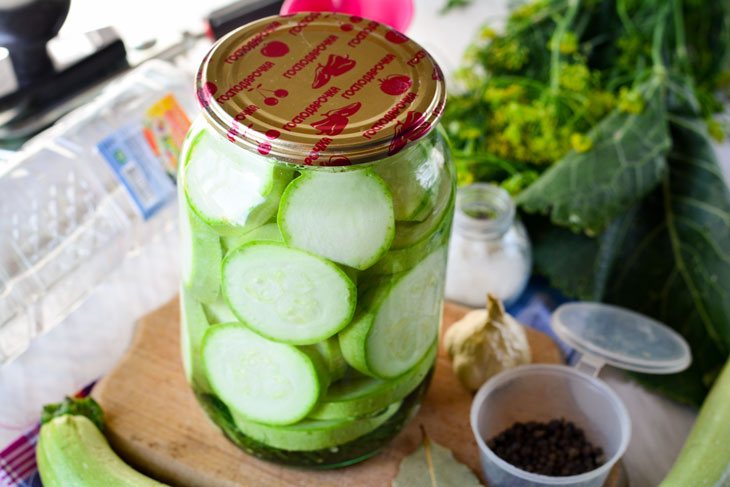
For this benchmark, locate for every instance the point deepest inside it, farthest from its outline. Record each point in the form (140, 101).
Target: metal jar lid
(320, 89)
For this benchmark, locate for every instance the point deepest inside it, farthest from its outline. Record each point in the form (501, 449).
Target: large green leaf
(696, 222)
(589, 190)
(667, 257)
(675, 261)
(576, 264)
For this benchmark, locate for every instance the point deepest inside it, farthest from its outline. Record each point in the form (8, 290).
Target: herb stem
(656, 48)
(679, 35)
(486, 157)
(624, 16)
(560, 31)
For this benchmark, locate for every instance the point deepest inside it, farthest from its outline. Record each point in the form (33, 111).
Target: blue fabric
(534, 308)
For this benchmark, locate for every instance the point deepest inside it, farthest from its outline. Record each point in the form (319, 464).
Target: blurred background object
(78, 198)
(45, 75)
(489, 251)
(94, 185)
(395, 13)
(224, 19)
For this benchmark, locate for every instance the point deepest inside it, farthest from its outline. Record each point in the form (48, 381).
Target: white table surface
(94, 337)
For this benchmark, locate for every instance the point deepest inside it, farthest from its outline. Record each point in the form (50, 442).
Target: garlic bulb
(485, 342)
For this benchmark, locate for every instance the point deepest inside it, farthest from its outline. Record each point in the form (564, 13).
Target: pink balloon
(395, 13)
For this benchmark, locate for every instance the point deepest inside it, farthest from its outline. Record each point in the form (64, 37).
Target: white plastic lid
(607, 334)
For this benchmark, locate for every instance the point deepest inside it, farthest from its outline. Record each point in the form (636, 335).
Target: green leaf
(667, 257)
(452, 4)
(646, 279)
(79, 407)
(433, 465)
(589, 190)
(567, 258)
(675, 261)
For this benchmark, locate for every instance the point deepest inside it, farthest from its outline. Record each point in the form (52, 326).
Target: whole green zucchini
(705, 457)
(72, 451)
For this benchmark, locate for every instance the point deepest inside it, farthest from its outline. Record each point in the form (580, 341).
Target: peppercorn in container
(316, 200)
(554, 425)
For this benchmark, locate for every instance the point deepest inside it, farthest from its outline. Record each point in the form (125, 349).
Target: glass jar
(490, 251)
(314, 225)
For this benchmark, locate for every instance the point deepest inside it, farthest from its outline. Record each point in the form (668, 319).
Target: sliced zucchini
(365, 395)
(401, 260)
(193, 325)
(330, 352)
(412, 176)
(397, 321)
(353, 274)
(218, 312)
(346, 217)
(200, 254)
(287, 295)
(229, 189)
(410, 233)
(261, 380)
(270, 231)
(314, 434)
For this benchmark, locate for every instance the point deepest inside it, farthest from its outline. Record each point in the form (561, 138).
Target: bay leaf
(433, 465)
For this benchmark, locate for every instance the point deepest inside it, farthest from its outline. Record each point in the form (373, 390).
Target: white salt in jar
(489, 250)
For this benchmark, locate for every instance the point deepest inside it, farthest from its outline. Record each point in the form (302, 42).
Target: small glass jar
(316, 200)
(490, 251)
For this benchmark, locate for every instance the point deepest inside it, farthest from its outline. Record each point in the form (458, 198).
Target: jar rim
(202, 123)
(483, 210)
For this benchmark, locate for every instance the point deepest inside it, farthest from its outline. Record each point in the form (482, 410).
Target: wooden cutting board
(154, 422)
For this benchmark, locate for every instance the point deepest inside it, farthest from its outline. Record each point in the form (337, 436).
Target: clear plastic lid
(607, 334)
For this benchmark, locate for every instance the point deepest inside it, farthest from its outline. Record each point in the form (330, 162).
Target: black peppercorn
(557, 448)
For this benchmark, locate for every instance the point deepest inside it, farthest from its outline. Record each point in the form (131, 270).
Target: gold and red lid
(320, 89)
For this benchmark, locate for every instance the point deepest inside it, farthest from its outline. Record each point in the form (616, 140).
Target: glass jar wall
(271, 294)
(316, 201)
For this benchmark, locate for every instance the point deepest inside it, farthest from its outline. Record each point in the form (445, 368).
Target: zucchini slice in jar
(346, 217)
(259, 379)
(270, 231)
(285, 294)
(413, 178)
(365, 395)
(229, 189)
(218, 312)
(200, 253)
(397, 322)
(314, 434)
(401, 260)
(193, 325)
(331, 355)
(410, 233)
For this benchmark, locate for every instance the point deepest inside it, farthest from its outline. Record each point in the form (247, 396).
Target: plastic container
(490, 251)
(316, 201)
(603, 334)
(542, 393)
(83, 194)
